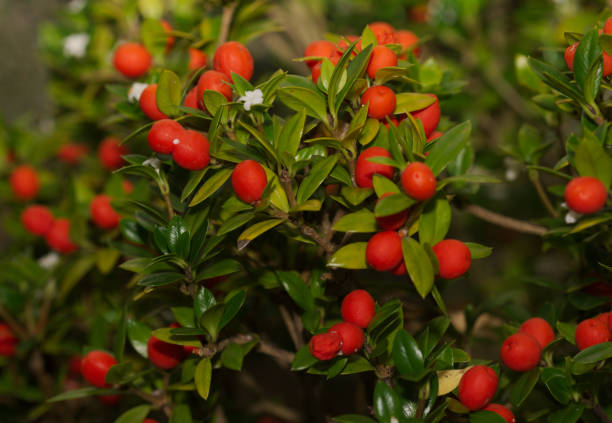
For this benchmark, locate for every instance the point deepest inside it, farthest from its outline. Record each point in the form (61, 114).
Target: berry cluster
(593, 331)
(345, 338)
(521, 352)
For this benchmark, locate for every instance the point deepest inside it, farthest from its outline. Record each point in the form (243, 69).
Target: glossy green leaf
(219, 268)
(233, 304)
(233, 355)
(166, 335)
(203, 300)
(235, 222)
(521, 389)
(587, 52)
(594, 353)
(362, 221)
(592, 160)
(558, 384)
(203, 377)
(479, 251)
(351, 256)
(82, 393)
(418, 265)
(138, 334)
(393, 204)
(387, 404)
(383, 186)
(134, 415)
(435, 221)
(447, 147)
(315, 178)
(257, 229)
(297, 289)
(213, 101)
(567, 331)
(411, 102)
(211, 186)
(408, 357)
(168, 94)
(303, 359)
(291, 134)
(160, 279)
(300, 98)
(570, 414)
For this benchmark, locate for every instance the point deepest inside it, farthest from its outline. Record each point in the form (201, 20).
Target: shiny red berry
(192, 151)
(407, 39)
(454, 258)
(521, 352)
(325, 346)
(381, 101)
(148, 103)
(197, 59)
(477, 387)
(429, 116)
(381, 57)
(132, 60)
(585, 194)
(249, 181)
(358, 307)
(384, 251)
(591, 332)
(321, 48)
(191, 99)
(540, 329)
(37, 219)
(164, 135)
(163, 354)
(418, 181)
(351, 335)
(94, 367)
(365, 169)
(110, 151)
(233, 57)
(24, 182)
(102, 212)
(58, 237)
(505, 412)
(383, 32)
(215, 81)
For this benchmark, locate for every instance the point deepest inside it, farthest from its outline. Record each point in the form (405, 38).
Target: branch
(535, 179)
(286, 181)
(601, 414)
(317, 237)
(294, 331)
(226, 22)
(283, 357)
(506, 222)
(13, 324)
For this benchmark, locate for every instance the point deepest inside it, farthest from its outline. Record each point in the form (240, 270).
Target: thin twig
(535, 179)
(168, 205)
(226, 22)
(286, 181)
(284, 357)
(290, 324)
(505, 221)
(13, 324)
(601, 414)
(43, 315)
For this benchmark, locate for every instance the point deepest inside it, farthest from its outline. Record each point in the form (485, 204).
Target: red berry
(507, 415)
(316, 69)
(94, 367)
(58, 237)
(132, 60)
(37, 219)
(149, 421)
(24, 182)
(434, 135)
(164, 135)
(191, 99)
(109, 399)
(168, 28)
(429, 116)
(215, 81)
(381, 101)
(400, 269)
(607, 29)
(418, 181)
(454, 258)
(343, 44)
(188, 348)
(591, 332)
(585, 194)
(74, 365)
(192, 151)
(110, 152)
(163, 354)
(249, 181)
(407, 39)
(148, 103)
(393, 222)
(384, 251)
(365, 169)
(477, 387)
(358, 307)
(321, 48)
(381, 57)
(197, 59)
(71, 153)
(384, 32)
(607, 64)
(102, 213)
(569, 54)
(540, 329)
(603, 318)
(351, 335)
(521, 352)
(233, 57)
(325, 346)
(127, 186)
(8, 341)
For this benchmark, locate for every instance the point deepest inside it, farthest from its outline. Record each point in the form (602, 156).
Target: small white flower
(75, 45)
(251, 98)
(49, 260)
(571, 217)
(564, 205)
(75, 6)
(136, 90)
(153, 162)
(513, 168)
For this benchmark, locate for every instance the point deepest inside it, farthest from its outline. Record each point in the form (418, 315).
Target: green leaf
(184, 316)
(567, 331)
(393, 204)
(594, 353)
(300, 98)
(356, 195)
(211, 318)
(203, 300)
(138, 334)
(558, 384)
(356, 69)
(120, 335)
(233, 304)
(134, 415)
(175, 236)
(261, 139)
(357, 364)
(570, 414)
(590, 222)
(315, 178)
(485, 416)
(160, 279)
(587, 52)
(447, 147)
(291, 134)
(167, 335)
(257, 229)
(220, 268)
(592, 82)
(82, 393)
(235, 222)
(418, 265)
(233, 355)
(181, 414)
(351, 256)
(555, 79)
(303, 359)
(434, 221)
(411, 102)
(297, 289)
(383, 186)
(592, 160)
(202, 377)
(213, 101)
(211, 186)
(353, 418)
(362, 221)
(168, 94)
(387, 404)
(478, 251)
(432, 334)
(521, 389)
(408, 357)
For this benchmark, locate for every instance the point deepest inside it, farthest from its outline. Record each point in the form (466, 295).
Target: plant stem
(13, 324)
(294, 331)
(226, 22)
(535, 179)
(286, 181)
(505, 221)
